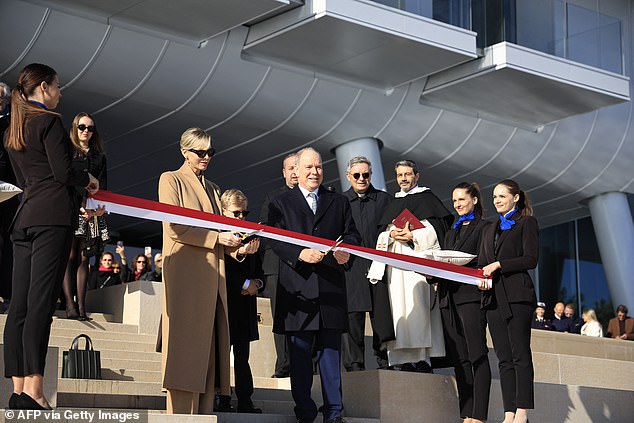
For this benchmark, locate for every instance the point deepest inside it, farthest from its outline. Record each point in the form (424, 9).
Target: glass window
(557, 265)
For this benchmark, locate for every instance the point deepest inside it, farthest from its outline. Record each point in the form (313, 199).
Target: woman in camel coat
(195, 324)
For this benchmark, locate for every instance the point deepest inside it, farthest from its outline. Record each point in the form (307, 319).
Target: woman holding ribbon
(464, 322)
(195, 326)
(40, 153)
(509, 250)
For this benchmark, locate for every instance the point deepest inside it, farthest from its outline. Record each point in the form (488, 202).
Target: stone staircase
(578, 379)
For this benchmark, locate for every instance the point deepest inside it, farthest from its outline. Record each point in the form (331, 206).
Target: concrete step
(110, 394)
(97, 334)
(81, 327)
(95, 317)
(417, 397)
(126, 355)
(117, 363)
(65, 342)
(130, 374)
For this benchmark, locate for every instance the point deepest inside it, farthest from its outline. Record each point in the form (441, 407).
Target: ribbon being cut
(153, 210)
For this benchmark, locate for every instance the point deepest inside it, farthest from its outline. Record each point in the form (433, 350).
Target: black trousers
(242, 371)
(353, 342)
(512, 344)
(40, 254)
(465, 341)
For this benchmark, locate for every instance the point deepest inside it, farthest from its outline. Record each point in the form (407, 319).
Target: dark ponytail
(22, 110)
(523, 204)
(473, 190)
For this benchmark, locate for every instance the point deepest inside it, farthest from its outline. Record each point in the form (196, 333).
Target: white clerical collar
(414, 190)
(305, 192)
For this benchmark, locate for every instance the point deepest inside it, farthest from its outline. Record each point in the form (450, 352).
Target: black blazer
(43, 170)
(93, 163)
(311, 296)
(366, 212)
(468, 242)
(243, 313)
(517, 250)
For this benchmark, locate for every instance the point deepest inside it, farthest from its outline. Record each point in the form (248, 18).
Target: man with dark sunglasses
(367, 204)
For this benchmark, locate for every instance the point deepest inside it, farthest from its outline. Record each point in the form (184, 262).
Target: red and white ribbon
(153, 210)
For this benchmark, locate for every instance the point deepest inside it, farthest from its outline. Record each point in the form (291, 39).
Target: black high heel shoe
(72, 313)
(25, 402)
(13, 401)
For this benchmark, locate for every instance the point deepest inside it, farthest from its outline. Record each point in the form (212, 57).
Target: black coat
(311, 296)
(43, 170)
(99, 279)
(517, 250)
(243, 313)
(366, 212)
(93, 163)
(270, 261)
(465, 238)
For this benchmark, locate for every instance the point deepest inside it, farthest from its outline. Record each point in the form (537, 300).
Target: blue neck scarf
(505, 222)
(468, 216)
(39, 104)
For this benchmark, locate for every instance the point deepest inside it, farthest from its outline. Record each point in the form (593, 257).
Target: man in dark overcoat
(271, 263)
(311, 294)
(367, 204)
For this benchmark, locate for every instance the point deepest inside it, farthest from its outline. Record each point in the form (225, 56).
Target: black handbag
(81, 364)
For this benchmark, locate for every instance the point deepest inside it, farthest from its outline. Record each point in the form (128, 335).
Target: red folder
(407, 216)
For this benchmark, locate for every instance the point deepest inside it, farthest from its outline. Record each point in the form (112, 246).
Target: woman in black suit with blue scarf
(509, 249)
(464, 322)
(40, 152)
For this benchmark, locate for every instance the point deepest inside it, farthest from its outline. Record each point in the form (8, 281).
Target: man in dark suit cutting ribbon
(311, 295)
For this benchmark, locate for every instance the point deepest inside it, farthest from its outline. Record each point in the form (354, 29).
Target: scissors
(335, 245)
(244, 235)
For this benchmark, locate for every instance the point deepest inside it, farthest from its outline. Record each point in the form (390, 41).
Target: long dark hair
(473, 189)
(30, 78)
(95, 143)
(523, 205)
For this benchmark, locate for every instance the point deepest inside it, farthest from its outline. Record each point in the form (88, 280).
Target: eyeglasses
(83, 127)
(106, 259)
(202, 153)
(141, 261)
(365, 175)
(238, 213)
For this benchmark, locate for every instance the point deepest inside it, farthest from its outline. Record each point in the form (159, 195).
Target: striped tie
(313, 201)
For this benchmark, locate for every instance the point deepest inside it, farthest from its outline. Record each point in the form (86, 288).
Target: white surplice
(418, 327)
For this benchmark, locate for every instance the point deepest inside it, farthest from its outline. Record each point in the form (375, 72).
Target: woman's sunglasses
(83, 127)
(202, 153)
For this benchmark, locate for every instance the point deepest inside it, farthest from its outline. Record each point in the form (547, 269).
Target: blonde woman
(592, 327)
(195, 326)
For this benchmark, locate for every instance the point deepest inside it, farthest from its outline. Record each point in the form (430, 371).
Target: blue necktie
(468, 216)
(505, 222)
(313, 201)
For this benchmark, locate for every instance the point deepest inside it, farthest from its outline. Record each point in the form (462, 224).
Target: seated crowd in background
(566, 320)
